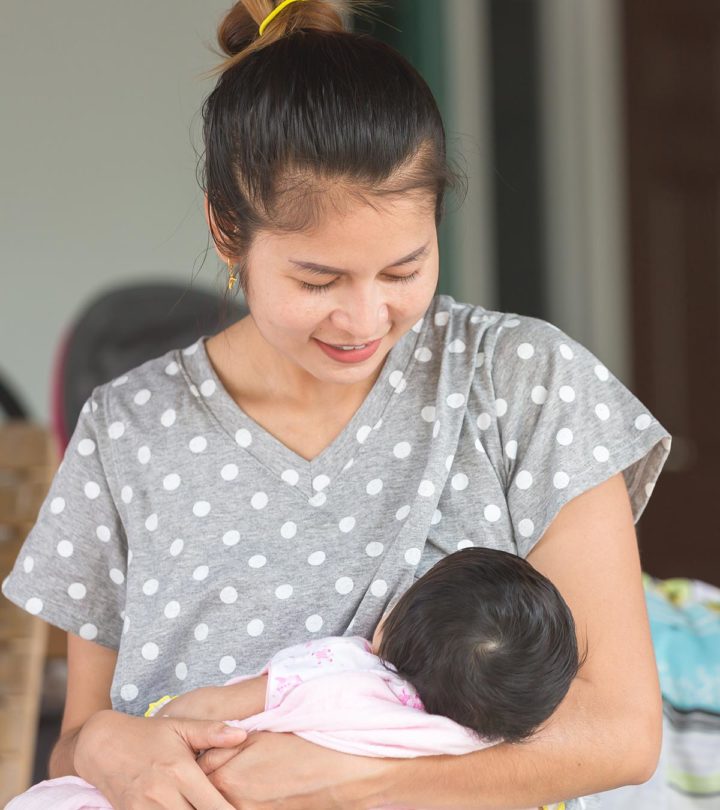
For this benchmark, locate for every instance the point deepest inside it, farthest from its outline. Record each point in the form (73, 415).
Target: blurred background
(588, 129)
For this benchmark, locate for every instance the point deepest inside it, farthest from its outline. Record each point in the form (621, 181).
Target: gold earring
(232, 280)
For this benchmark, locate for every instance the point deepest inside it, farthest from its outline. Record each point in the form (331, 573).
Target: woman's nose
(363, 315)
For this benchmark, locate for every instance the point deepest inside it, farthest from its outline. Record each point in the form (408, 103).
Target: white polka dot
(201, 509)
(116, 430)
(347, 524)
(171, 369)
(539, 394)
(201, 573)
(601, 453)
(194, 391)
(197, 444)
(525, 351)
(88, 631)
(318, 499)
(423, 354)
(94, 406)
(103, 533)
(564, 436)
(57, 505)
(666, 442)
(92, 490)
(288, 530)
(379, 587)
(426, 488)
(201, 632)
(561, 480)
(602, 373)
(479, 359)
(459, 482)
(436, 429)
(229, 472)
(344, 585)
(363, 433)
(643, 422)
(566, 351)
(129, 691)
(526, 527)
(492, 513)
(255, 627)
(649, 489)
(402, 512)
(377, 424)
(456, 346)
(176, 547)
(77, 590)
(602, 411)
(511, 449)
(143, 454)
(314, 623)
(86, 447)
(436, 518)
(284, 591)
(374, 549)
(171, 482)
(181, 671)
(207, 388)
(320, 482)
(257, 561)
(290, 477)
(465, 544)
(417, 326)
(512, 323)
(374, 486)
(228, 595)
(428, 413)
(126, 494)
(479, 446)
(396, 379)
(168, 418)
(412, 556)
(34, 605)
(227, 664)
(142, 397)
(231, 538)
(126, 624)
(456, 400)
(316, 558)
(65, 548)
(567, 393)
(259, 500)
(172, 609)
(150, 587)
(150, 651)
(243, 437)
(119, 381)
(484, 421)
(190, 349)
(441, 318)
(402, 449)
(523, 480)
(28, 564)
(152, 522)
(500, 407)
(117, 576)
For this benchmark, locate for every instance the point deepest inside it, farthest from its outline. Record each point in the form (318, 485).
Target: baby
(479, 650)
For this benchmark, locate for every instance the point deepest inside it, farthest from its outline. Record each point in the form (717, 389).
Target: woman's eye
(323, 287)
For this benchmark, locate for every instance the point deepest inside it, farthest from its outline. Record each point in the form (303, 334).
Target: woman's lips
(351, 356)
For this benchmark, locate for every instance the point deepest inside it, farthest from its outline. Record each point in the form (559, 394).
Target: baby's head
(486, 640)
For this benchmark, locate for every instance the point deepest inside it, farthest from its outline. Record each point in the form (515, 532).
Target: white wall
(97, 162)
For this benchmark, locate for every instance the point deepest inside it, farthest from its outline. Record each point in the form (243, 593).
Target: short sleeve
(71, 567)
(566, 424)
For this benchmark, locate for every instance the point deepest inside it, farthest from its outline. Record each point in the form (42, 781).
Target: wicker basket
(27, 464)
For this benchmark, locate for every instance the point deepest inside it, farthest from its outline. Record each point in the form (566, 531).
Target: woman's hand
(143, 763)
(275, 769)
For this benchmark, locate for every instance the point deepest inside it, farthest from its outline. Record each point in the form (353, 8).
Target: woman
(292, 475)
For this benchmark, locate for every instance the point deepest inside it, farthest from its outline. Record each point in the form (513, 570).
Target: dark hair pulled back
(311, 115)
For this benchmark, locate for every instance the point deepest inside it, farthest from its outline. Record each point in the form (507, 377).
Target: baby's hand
(205, 703)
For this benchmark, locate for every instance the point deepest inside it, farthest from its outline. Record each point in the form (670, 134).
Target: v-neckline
(308, 476)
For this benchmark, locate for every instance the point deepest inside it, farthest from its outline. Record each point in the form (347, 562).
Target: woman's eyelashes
(324, 287)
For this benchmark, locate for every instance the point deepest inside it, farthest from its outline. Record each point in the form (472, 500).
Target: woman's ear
(211, 225)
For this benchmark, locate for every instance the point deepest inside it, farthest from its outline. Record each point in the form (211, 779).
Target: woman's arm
(607, 732)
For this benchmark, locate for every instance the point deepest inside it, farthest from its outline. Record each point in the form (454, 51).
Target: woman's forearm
(584, 749)
(62, 756)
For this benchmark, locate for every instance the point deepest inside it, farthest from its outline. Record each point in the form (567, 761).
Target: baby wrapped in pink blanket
(453, 637)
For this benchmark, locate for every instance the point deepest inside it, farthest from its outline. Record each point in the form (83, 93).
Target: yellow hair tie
(154, 707)
(273, 14)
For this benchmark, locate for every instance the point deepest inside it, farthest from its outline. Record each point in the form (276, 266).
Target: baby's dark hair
(487, 641)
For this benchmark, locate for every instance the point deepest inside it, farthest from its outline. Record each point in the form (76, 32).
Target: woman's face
(370, 299)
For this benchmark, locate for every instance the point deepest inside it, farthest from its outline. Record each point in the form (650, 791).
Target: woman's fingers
(203, 734)
(202, 795)
(215, 758)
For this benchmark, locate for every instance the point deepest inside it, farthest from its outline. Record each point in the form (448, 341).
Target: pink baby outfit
(333, 692)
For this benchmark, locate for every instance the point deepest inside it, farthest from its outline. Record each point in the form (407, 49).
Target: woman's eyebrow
(325, 270)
